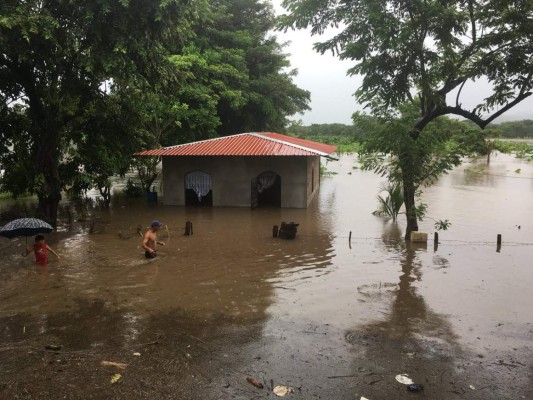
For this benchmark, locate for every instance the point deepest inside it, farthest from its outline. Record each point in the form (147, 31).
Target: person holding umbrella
(40, 250)
(26, 227)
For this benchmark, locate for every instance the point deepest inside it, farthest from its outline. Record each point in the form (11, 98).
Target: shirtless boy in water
(150, 240)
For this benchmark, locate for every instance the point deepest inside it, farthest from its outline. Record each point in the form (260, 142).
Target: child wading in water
(40, 250)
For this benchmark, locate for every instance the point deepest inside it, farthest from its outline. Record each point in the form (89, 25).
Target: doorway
(266, 190)
(198, 189)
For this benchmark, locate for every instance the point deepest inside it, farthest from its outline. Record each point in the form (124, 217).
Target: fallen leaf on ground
(115, 378)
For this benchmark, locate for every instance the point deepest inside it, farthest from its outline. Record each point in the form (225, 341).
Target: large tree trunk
(409, 202)
(46, 166)
(408, 168)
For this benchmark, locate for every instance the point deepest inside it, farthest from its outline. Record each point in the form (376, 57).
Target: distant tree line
(511, 130)
(298, 129)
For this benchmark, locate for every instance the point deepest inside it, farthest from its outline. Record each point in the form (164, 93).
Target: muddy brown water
(330, 318)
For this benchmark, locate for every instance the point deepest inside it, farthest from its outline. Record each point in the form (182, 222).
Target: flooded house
(259, 169)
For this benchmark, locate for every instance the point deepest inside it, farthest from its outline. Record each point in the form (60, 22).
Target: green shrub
(133, 190)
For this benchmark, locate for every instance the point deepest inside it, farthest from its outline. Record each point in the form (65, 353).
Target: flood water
(331, 317)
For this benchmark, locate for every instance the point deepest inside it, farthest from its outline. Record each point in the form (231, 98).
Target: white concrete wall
(232, 178)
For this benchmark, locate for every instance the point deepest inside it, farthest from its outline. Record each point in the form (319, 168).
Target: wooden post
(498, 242)
(436, 238)
(188, 228)
(350, 240)
(275, 231)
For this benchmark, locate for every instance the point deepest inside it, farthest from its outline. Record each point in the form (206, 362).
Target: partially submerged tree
(389, 149)
(55, 57)
(425, 52)
(15, 139)
(478, 142)
(100, 150)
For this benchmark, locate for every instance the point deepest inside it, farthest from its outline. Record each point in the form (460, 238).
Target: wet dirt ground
(330, 317)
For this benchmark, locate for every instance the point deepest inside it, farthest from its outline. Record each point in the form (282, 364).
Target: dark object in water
(188, 228)
(255, 382)
(287, 230)
(415, 387)
(120, 235)
(151, 197)
(148, 254)
(53, 347)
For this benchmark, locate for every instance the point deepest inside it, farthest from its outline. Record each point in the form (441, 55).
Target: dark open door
(268, 189)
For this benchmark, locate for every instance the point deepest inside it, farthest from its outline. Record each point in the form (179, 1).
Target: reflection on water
(319, 300)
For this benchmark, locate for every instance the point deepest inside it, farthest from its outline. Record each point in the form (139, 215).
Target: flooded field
(330, 317)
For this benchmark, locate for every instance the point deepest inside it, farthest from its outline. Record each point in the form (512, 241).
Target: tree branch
(459, 93)
(472, 21)
(470, 115)
(508, 106)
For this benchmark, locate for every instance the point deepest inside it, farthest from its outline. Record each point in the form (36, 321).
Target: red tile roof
(246, 144)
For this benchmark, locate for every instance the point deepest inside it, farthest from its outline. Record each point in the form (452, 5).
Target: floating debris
(415, 387)
(281, 390)
(254, 382)
(403, 378)
(113, 364)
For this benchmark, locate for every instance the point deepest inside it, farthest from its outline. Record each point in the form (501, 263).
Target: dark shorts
(147, 254)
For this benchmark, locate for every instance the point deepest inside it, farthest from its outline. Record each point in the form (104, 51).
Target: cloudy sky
(332, 90)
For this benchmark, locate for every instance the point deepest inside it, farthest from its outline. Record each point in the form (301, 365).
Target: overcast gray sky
(332, 90)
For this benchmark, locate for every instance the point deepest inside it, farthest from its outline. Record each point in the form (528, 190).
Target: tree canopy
(56, 57)
(84, 85)
(426, 50)
(262, 94)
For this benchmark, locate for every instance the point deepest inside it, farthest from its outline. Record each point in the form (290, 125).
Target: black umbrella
(25, 227)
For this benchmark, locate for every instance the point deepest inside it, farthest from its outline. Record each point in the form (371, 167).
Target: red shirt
(41, 256)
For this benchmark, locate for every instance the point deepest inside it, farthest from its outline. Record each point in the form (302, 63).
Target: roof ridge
(205, 140)
(297, 146)
(246, 143)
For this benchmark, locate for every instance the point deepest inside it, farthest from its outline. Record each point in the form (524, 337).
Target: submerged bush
(391, 203)
(133, 190)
